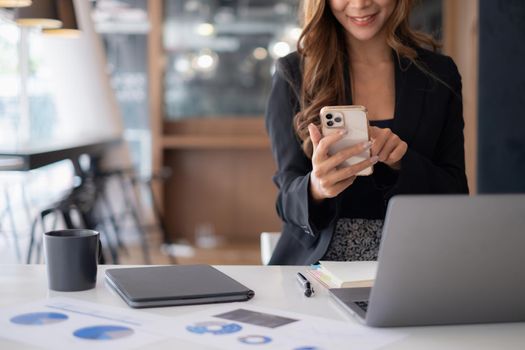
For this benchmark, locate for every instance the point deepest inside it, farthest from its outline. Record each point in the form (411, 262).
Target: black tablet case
(175, 285)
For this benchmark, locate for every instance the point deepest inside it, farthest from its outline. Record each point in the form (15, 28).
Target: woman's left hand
(387, 146)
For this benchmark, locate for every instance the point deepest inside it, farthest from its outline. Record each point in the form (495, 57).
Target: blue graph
(38, 318)
(213, 327)
(103, 332)
(255, 339)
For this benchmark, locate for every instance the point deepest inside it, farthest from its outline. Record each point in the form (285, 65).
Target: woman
(360, 52)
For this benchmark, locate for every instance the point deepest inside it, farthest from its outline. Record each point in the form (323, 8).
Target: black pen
(305, 284)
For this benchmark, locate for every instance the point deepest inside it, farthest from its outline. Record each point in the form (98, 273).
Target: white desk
(274, 287)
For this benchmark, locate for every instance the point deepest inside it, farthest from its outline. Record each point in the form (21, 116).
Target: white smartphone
(354, 120)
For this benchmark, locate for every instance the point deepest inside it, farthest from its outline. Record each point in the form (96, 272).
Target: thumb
(315, 135)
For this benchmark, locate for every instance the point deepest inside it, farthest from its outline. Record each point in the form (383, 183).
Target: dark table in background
(30, 157)
(37, 154)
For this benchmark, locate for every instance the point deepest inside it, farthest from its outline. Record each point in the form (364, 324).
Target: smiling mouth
(363, 20)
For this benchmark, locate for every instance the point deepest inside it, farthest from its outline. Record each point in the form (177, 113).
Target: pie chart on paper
(103, 332)
(38, 318)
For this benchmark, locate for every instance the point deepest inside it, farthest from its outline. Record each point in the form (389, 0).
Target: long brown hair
(323, 48)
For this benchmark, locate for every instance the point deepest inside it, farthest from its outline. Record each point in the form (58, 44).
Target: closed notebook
(345, 274)
(175, 285)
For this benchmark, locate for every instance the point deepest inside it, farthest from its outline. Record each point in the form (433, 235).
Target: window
(221, 54)
(124, 29)
(27, 107)
(9, 81)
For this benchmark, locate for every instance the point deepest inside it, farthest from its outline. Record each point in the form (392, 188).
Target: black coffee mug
(71, 259)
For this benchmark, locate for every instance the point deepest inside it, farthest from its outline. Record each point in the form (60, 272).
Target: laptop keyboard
(363, 305)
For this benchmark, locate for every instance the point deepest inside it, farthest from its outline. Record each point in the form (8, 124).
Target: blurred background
(143, 119)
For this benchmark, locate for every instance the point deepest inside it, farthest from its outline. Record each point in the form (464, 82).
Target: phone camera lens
(330, 123)
(328, 116)
(337, 119)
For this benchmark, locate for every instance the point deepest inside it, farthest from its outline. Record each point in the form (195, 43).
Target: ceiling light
(281, 49)
(42, 13)
(15, 3)
(205, 29)
(206, 61)
(260, 53)
(66, 13)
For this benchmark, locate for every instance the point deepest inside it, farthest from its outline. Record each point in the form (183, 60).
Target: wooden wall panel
(460, 41)
(229, 189)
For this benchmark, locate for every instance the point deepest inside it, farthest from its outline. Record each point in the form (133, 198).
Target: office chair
(268, 242)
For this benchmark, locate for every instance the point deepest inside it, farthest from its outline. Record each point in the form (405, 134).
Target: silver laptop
(446, 260)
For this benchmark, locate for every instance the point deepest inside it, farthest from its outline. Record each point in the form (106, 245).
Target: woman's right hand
(326, 179)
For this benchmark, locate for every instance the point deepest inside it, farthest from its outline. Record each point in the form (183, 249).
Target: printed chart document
(247, 327)
(64, 323)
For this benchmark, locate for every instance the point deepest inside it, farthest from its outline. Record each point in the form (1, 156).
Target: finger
(338, 175)
(357, 168)
(379, 139)
(374, 131)
(340, 187)
(325, 143)
(397, 153)
(347, 172)
(389, 146)
(339, 157)
(315, 135)
(326, 171)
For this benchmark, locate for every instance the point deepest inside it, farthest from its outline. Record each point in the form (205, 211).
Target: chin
(363, 35)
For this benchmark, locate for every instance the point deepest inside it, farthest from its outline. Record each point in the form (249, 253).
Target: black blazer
(428, 116)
